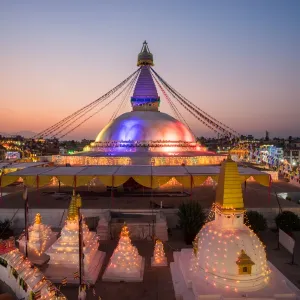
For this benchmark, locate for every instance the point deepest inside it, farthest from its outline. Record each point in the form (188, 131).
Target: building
(292, 156)
(2, 153)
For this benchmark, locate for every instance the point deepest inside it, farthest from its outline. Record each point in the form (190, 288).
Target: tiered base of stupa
(64, 254)
(117, 275)
(57, 272)
(162, 263)
(41, 238)
(188, 288)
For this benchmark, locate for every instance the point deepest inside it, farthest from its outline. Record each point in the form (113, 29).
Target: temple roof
(229, 191)
(244, 259)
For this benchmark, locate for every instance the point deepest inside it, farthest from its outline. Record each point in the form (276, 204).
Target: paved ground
(6, 292)
(255, 196)
(281, 258)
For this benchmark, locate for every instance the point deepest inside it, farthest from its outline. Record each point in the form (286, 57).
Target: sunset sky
(237, 60)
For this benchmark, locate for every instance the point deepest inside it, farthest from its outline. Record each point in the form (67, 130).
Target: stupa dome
(230, 258)
(145, 126)
(228, 253)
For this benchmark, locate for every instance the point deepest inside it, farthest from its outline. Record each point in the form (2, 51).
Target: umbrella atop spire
(145, 57)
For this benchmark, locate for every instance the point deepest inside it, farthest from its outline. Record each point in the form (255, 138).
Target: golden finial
(158, 241)
(229, 158)
(73, 210)
(78, 201)
(124, 231)
(38, 219)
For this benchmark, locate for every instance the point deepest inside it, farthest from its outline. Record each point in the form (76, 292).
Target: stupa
(144, 135)
(159, 258)
(228, 260)
(64, 253)
(40, 238)
(125, 263)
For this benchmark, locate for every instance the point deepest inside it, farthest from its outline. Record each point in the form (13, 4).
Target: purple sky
(237, 60)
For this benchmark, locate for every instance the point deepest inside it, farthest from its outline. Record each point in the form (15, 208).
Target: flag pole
(25, 198)
(80, 239)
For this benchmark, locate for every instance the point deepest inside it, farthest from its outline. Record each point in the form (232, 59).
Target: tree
(256, 221)
(191, 220)
(288, 221)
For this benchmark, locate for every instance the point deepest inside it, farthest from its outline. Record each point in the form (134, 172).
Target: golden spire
(73, 210)
(229, 158)
(229, 191)
(38, 219)
(78, 201)
(124, 231)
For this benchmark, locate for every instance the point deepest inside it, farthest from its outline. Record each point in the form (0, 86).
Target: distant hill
(25, 133)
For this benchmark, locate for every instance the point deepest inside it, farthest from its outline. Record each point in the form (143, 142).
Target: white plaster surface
(279, 287)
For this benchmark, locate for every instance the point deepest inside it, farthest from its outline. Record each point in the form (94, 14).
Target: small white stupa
(159, 258)
(125, 263)
(228, 260)
(40, 238)
(64, 253)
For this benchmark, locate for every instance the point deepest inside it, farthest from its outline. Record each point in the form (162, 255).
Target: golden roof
(244, 259)
(229, 191)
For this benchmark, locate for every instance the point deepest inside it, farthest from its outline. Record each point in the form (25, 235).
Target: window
(245, 270)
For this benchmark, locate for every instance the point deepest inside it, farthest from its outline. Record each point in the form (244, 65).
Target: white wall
(55, 217)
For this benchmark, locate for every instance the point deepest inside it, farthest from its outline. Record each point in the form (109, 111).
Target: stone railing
(26, 281)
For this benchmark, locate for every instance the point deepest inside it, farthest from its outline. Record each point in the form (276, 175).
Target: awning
(13, 167)
(148, 176)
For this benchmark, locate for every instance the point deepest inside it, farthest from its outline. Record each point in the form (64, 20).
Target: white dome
(220, 244)
(145, 126)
